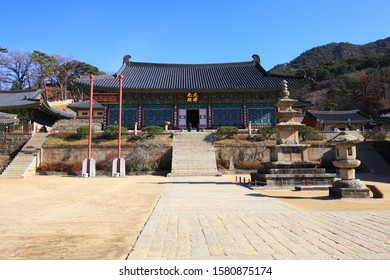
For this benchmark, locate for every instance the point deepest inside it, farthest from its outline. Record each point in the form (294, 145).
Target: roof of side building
(339, 116)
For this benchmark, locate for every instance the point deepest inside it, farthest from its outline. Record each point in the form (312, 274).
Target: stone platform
(286, 174)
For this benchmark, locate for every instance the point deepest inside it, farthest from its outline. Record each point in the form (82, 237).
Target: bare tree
(17, 69)
(61, 73)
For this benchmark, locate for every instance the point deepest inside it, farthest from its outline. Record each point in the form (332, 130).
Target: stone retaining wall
(12, 142)
(73, 124)
(251, 152)
(147, 155)
(144, 155)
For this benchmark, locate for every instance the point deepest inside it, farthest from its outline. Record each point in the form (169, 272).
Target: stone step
(22, 164)
(194, 158)
(206, 173)
(293, 171)
(202, 160)
(193, 155)
(192, 165)
(197, 168)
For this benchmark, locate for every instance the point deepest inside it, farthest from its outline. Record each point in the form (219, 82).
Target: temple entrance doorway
(193, 118)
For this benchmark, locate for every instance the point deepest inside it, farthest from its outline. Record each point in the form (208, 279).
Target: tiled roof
(339, 116)
(21, 98)
(383, 114)
(303, 103)
(85, 105)
(139, 76)
(41, 112)
(8, 119)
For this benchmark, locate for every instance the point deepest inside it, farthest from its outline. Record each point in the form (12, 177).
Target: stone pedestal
(349, 189)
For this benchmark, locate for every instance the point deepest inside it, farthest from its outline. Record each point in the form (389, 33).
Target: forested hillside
(347, 76)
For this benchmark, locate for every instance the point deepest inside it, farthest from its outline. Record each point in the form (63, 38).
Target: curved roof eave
(159, 77)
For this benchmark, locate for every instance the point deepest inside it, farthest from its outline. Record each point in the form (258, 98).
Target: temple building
(336, 120)
(82, 109)
(30, 107)
(203, 95)
(7, 121)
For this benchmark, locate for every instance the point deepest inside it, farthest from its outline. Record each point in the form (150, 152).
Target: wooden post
(91, 77)
(120, 122)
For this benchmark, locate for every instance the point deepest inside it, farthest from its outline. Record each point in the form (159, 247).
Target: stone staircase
(27, 160)
(193, 155)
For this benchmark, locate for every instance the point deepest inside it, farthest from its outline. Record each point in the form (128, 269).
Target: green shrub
(153, 129)
(225, 132)
(83, 131)
(111, 131)
(266, 132)
(306, 131)
(132, 167)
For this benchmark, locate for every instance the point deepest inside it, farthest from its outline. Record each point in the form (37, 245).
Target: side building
(336, 120)
(29, 107)
(203, 95)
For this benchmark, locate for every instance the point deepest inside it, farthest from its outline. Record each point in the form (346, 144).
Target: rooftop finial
(126, 59)
(285, 92)
(256, 58)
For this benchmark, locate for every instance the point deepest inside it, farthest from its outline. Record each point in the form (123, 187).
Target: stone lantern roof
(345, 138)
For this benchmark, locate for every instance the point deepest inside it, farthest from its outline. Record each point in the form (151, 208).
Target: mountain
(345, 52)
(347, 76)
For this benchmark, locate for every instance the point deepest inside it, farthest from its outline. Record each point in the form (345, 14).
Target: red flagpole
(120, 121)
(91, 77)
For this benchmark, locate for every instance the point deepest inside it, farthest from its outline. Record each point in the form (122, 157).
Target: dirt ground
(53, 217)
(320, 201)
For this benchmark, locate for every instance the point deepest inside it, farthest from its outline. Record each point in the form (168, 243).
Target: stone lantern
(348, 186)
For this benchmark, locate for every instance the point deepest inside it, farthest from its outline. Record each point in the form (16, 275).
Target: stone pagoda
(348, 186)
(289, 166)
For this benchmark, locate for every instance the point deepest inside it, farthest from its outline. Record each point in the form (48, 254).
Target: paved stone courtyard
(212, 219)
(151, 217)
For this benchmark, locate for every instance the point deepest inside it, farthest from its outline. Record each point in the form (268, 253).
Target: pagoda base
(290, 175)
(349, 189)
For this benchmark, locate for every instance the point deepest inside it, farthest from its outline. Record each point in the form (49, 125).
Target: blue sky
(188, 31)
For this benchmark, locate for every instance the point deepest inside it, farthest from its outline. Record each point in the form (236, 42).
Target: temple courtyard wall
(232, 156)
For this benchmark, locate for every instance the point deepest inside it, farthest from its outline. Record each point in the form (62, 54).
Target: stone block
(349, 192)
(347, 174)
